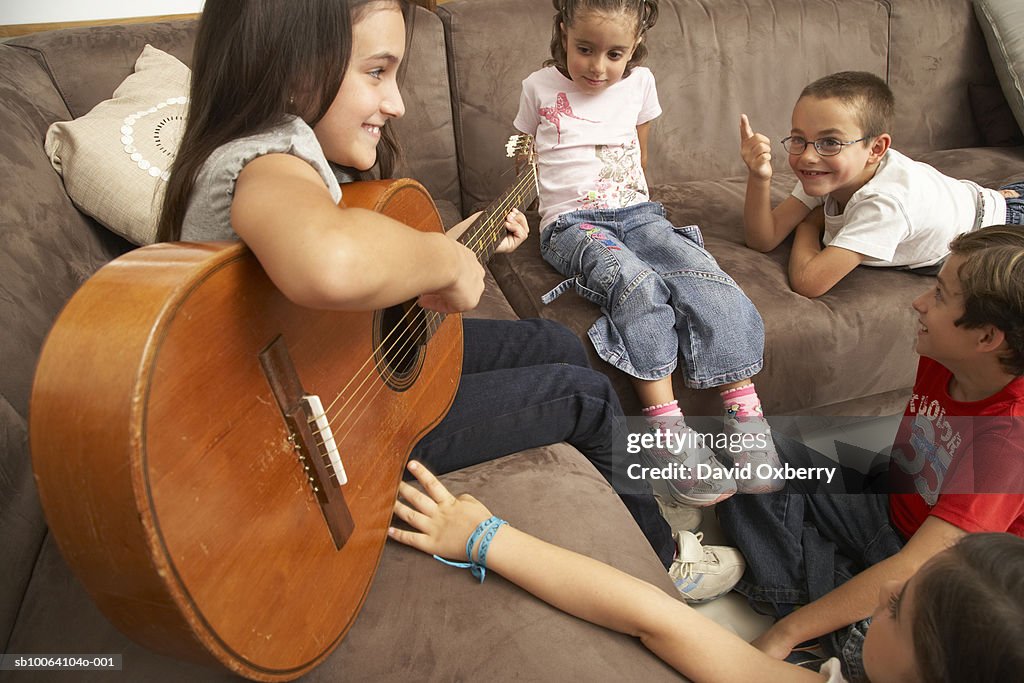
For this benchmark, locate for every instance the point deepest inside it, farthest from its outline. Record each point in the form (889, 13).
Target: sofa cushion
(936, 50)
(1002, 22)
(423, 620)
(116, 159)
(427, 132)
(994, 116)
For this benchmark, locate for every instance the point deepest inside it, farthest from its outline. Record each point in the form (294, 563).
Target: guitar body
(170, 477)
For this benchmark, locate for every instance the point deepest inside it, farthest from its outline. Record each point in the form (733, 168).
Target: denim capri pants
(662, 294)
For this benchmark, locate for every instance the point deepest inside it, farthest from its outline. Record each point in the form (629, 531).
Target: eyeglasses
(826, 147)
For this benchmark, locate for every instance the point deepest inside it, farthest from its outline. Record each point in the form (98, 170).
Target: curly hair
(566, 11)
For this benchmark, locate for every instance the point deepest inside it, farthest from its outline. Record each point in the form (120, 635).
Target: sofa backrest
(937, 56)
(716, 60)
(49, 248)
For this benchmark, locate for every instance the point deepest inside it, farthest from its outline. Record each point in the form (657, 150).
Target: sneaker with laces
(763, 462)
(704, 572)
(679, 517)
(687, 451)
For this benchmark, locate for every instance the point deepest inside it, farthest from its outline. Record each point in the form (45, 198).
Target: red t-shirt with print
(961, 461)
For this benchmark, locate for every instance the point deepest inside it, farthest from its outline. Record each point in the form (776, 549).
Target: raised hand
(756, 150)
(443, 521)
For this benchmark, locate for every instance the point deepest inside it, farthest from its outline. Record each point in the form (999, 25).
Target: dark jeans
(1015, 205)
(528, 383)
(810, 538)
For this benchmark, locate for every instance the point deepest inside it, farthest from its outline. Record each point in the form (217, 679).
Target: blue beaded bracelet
(478, 568)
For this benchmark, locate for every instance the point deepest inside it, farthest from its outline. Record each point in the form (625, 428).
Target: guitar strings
(421, 315)
(481, 237)
(408, 346)
(415, 328)
(420, 321)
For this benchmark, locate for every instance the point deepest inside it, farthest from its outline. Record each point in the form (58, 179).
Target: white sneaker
(704, 572)
(691, 488)
(760, 455)
(679, 517)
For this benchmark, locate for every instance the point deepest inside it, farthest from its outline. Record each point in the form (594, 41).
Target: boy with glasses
(858, 201)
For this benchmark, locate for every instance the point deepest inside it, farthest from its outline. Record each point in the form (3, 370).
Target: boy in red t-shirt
(957, 466)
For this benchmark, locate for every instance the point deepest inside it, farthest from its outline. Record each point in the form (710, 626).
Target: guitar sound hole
(399, 335)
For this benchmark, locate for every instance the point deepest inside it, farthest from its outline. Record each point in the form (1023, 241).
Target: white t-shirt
(588, 154)
(907, 213)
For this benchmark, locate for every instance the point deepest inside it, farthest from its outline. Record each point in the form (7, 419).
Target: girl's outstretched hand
(518, 230)
(443, 521)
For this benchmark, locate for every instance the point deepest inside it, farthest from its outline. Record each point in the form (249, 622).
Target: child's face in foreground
(938, 308)
(840, 175)
(368, 97)
(889, 646)
(598, 46)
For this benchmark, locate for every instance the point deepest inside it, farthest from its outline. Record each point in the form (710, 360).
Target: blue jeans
(662, 294)
(810, 538)
(527, 383)
(1015, 205)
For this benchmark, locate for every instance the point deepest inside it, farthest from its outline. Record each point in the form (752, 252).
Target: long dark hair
(968, 618)
(255, 62)
(645, 12)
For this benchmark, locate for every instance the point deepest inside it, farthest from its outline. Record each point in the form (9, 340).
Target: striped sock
(742, 402)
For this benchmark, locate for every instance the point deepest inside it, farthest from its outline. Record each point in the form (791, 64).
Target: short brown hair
(992, 280)
(867, 94)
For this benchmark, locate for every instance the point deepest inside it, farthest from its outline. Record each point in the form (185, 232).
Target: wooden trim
(12, 30)
(429, 4)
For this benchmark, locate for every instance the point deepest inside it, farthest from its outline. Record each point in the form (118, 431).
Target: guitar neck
(485, 233)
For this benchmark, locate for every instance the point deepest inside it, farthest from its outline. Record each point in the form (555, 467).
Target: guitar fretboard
(485, 233)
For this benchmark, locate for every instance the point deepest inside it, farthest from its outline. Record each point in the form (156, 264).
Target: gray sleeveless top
(208, 216)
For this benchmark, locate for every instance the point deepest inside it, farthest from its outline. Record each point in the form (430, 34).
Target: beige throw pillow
(1002, 22)
(115, 159)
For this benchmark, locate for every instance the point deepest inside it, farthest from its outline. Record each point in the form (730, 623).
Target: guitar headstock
(520, 148)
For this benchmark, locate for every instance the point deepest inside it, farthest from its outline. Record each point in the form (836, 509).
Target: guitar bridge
(311, 437)
(326, 445)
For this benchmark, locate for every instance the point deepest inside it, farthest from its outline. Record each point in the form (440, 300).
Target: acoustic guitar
(217, 464)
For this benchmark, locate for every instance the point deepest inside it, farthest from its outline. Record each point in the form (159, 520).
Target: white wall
(46, 11)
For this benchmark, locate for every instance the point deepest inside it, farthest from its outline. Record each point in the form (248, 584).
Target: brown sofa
(847, 353)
